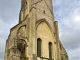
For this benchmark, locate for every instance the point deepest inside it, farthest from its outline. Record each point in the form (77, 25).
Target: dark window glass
(50, 50)
(39, 47)
(60, 47)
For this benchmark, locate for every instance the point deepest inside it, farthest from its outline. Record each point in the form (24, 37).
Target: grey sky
(66, 12)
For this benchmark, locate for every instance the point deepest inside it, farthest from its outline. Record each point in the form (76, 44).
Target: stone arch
(21, 45)
(50, 50)
(22, 41)
(44, 20)
(21, 32)
(21, 26)
(39, 44)
(45, 33)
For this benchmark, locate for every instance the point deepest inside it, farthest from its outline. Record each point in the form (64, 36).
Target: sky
(66, 12)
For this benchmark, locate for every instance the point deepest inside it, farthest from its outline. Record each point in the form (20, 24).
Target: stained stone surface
(36, 21)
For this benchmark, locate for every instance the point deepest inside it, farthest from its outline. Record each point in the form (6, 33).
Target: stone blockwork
(36, 35)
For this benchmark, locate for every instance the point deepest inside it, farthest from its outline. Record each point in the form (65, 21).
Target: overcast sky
(66, 12)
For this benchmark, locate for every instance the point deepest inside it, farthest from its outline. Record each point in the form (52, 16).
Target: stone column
(32, 35)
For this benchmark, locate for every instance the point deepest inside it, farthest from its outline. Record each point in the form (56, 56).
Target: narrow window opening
(50, 50)
(60, 47)
(39, 47)
(44, 11)
(26, 3)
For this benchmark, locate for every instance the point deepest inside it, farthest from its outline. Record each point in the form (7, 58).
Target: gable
(44, 32)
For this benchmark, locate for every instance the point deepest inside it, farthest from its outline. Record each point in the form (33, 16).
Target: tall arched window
(39, 47)
(50, 50)
(61, 58)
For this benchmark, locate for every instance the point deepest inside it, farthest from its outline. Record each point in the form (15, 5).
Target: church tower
(36, 35)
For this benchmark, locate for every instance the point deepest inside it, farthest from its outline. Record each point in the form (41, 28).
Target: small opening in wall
(60, 47)
(39, 47)
(25, 3)
(44, 11)
(50, 50)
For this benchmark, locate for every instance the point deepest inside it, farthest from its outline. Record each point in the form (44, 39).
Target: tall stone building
(36, 35)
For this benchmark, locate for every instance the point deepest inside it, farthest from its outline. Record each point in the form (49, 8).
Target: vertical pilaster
(32, 35)
(57, 38)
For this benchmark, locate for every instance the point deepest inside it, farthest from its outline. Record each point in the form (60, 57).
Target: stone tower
(36, 35)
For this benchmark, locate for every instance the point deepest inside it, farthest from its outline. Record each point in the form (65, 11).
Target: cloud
(71, 39)
(2, 51)
(73, 19)
(9, 12)
(74, 54)
(4, 32)
(67, 13)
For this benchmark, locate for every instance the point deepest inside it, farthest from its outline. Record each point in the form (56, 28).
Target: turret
(24, 10)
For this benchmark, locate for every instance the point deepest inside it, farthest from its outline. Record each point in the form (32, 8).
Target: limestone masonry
(36, 35)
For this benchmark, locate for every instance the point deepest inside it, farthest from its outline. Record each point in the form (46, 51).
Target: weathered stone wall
(36, 20)
(44, 32)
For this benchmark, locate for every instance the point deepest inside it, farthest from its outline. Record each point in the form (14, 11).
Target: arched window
(21, 46)
(39, 47)
(50, 50)
(61, 58)
(60, 47)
